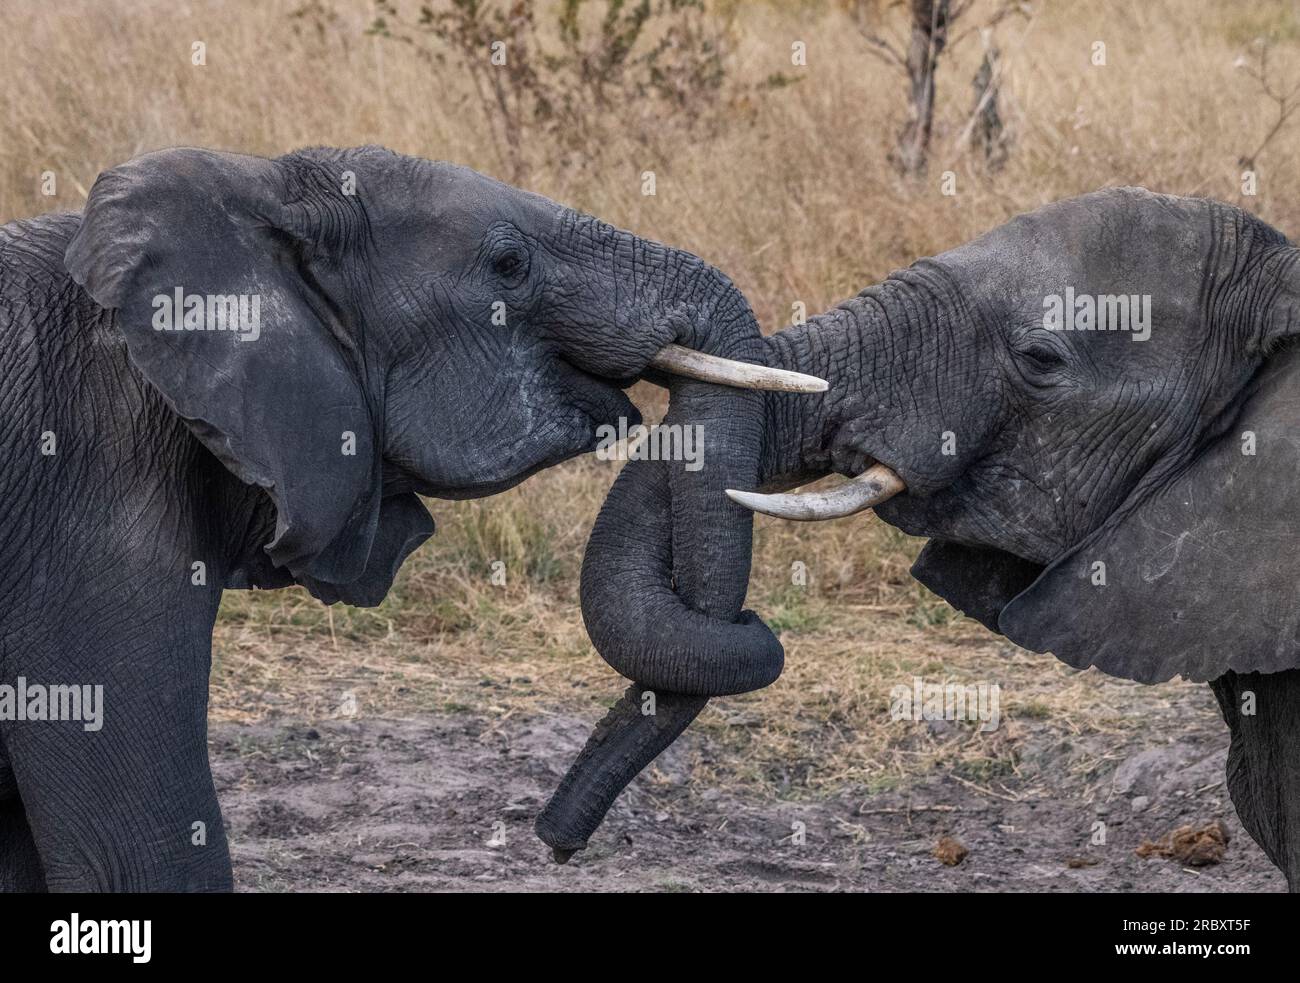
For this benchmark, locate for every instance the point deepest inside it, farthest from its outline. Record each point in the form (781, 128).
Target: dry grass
(793, 197)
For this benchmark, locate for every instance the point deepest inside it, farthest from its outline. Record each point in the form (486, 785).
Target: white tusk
(875, 485)
(680, 360)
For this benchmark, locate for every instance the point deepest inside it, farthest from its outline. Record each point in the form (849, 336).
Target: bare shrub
(633, 65)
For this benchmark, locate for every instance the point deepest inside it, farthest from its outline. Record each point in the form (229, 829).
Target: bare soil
(446, 801)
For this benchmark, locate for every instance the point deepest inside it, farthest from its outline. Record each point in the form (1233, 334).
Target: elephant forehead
(1121, 241)
(456, 197)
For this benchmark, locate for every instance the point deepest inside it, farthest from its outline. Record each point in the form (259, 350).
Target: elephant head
(1089, 411)
(347, 329)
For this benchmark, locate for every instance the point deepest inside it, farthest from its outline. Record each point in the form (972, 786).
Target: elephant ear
(404, 523)
(1201, 575)
(978, 581)
(280, 400)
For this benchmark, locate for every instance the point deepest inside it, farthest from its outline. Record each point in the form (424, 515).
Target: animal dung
(949, 851)
(1191, 845)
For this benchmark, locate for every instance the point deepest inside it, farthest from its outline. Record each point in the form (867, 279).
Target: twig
(908, 811)
(1286, 104)
(987, 791)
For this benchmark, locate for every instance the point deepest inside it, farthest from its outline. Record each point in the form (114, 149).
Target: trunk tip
(563, 844)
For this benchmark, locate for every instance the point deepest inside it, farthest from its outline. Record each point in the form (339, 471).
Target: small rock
(1140, 803)
(1143, 773)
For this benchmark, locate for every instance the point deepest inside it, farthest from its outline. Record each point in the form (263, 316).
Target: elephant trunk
(663, 583)
(667, 566)
(666, 570)
(623, 743)
(650, 311)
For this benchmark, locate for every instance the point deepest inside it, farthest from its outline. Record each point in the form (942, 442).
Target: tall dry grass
(793, 196)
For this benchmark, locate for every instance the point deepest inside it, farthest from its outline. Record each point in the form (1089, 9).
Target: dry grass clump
(791, 194)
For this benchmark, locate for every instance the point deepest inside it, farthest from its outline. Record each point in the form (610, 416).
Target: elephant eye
(1042, 356)
(509, 264)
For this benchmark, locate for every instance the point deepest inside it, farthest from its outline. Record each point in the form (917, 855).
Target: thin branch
(1004, 11)
(1286, 101)
(883, 50)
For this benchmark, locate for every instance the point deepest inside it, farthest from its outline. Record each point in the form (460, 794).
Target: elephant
(1089, 413)
(232, 371)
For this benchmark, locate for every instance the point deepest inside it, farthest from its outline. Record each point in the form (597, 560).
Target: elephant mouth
(603, 402)
(574, 434)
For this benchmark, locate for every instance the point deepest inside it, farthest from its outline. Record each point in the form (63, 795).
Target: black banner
(140, 933)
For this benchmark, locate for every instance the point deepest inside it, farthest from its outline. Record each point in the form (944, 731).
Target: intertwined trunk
(663, 585)
(667, 567)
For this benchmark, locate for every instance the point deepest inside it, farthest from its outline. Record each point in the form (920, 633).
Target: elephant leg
(121, 798)
(1263, 715)
(136, 811)
(20, 864)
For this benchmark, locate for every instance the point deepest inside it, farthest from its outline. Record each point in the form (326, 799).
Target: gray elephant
(230, 371)
(1091, 413)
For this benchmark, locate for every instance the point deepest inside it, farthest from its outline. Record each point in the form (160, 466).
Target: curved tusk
(875, 485)
(680, 360)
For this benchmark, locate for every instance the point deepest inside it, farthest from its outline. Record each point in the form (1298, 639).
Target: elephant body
(238, 372)
(98, 538)
(1116, 490)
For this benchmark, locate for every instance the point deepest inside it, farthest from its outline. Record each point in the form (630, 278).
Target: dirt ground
(446, 802)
